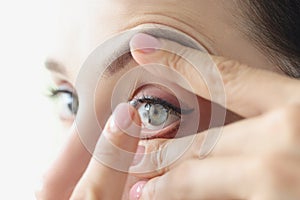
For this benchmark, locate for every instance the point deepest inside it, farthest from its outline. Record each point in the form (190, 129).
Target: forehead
(84, 24)
(105, 17)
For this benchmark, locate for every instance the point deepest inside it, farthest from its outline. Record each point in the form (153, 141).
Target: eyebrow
(114, 67)
(117, 65)
(55, 66)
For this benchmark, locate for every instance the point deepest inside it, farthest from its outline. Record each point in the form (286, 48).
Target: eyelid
(56, 92)
(166, 104)
(159, 92)
(62, 88)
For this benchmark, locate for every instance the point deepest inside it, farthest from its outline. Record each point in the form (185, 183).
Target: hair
(274, 26)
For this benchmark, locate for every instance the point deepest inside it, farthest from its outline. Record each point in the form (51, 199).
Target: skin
(88, 24)
(265, 156)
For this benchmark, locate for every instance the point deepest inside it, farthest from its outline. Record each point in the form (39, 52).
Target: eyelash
(72, 105)
(55, 93)
(154, 100)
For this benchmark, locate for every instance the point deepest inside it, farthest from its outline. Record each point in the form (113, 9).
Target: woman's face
(84, 25)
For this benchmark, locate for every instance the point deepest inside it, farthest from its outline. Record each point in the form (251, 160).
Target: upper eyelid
(55, 92)
(169, 106)
(62, 87)
(139, 91)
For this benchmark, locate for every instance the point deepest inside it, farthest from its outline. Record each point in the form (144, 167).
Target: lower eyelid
(167, 132)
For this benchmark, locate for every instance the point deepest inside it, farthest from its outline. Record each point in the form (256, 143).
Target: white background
(28, 126)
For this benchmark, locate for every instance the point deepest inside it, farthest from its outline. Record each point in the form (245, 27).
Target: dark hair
(274, 26)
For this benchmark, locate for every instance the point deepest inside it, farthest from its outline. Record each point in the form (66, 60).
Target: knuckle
(275, 174)
(229, 69)
(268, 169)
(233, 74)
(175, 60)
(180, 59)
(290, 112)
(271, 170)
(285, 124)
(264, 165)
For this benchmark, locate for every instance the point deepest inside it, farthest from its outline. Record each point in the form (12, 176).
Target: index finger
(106, 174)
(249, 91)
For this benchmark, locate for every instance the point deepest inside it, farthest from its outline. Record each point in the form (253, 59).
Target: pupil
(73, 104)
(157, 114)
(70, 106)
(153, 115)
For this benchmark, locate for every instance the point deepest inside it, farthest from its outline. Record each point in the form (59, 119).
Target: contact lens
(153, 114)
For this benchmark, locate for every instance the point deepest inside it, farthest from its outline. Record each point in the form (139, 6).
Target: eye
(156, 113)
(67, 102)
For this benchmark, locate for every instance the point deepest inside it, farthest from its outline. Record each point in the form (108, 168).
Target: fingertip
(135, 115)
(119, 140)
(123, 129)
(123, 115)
(125, 119)
(144, 43)
(136, 190)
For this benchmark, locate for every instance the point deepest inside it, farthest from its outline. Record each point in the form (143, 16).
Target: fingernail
(144, 43)
(136, 190)
(122, 118)
(138, 155)
(125, 120)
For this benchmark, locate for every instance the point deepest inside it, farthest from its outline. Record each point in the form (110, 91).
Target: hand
(101, 174)
(256, 158)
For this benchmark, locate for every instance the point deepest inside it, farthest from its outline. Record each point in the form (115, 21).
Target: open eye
(67, 103)
(158, 116)
(155, 113)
